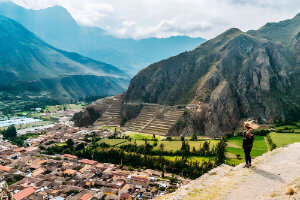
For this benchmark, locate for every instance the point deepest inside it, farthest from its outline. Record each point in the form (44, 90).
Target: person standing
(248, 138)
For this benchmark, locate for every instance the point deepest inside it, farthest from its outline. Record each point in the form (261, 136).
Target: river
(17, 121)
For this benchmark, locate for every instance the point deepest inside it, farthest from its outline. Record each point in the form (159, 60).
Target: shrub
(169, 138)
(271, 143)
(194, 137)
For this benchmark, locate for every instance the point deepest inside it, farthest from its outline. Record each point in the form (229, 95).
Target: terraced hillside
(161, 125)
(112, 116)
(150, 121)
(146, 116)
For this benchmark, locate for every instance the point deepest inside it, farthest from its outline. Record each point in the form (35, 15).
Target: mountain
(56, 26)
(30, 67)
(236, 75)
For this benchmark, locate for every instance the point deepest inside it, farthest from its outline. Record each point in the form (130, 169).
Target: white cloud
(163, 18)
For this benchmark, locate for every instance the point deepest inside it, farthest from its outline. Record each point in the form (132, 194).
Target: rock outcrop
(237, 75)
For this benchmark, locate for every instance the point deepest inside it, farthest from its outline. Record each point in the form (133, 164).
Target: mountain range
(56, 26)
(235, 75)
(31, 68)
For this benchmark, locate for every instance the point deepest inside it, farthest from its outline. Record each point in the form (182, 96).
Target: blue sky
(164, 18)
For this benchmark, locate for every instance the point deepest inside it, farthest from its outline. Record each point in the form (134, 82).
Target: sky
(163, 18)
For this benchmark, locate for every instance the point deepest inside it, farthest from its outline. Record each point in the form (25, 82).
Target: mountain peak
(58, 11)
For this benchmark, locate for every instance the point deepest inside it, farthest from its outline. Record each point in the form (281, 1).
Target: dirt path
(271, 174)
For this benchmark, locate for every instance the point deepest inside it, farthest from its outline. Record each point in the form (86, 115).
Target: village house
(88, 162)
(37, 176)
(140, 181)
(24, 193)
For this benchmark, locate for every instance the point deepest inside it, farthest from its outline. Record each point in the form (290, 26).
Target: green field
(191, 158)
(176, 145)
(113, 142)
(140, 136)
(168, 145)
(282, 139)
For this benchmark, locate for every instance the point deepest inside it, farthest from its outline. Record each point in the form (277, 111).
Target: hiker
(248, 138)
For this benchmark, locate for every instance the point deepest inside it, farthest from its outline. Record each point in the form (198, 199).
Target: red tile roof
(87, 196)
(136, 178)
(71, 156)
(20, 149)
(88, 162)
(4, 168)
(125, 195)
(24, 193)
(70, 171)
(120, 174)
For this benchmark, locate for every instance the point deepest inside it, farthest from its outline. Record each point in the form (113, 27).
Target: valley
(130, 151)
(78, 128)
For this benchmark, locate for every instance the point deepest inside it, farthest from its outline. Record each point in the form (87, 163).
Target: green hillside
(31, 68)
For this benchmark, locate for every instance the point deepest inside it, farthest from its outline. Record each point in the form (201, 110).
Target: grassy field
(140, 136)
(113, 142)
(176, 145)
(282, 139)
(168, 145)
(191, 158)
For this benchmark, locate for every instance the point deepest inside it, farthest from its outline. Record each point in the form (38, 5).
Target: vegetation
(185, 161)
(220, 152)
(11, 134)
(282, 139)
(272, 145)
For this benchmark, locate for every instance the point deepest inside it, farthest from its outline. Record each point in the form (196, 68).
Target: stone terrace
(143, 119)
(160, 126)
(149, 122)
(112, 116)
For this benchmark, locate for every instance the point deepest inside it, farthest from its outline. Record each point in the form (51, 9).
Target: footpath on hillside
(274, 175)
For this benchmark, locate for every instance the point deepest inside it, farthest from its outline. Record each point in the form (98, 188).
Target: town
(28, 173)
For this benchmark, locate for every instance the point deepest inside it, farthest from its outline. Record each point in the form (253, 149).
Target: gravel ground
(271, 176)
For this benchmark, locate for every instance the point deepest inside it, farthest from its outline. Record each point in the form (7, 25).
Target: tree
(169, 138)
(10, 132)
(182, 138)
(220, 151)
(185, 149)
(153, 136)
(79, 147)
(70, 142)
(205, 148)
(161, 147)
(194, 137)
(135, 144)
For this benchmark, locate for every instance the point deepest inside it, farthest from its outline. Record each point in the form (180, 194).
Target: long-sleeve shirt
(248, 141)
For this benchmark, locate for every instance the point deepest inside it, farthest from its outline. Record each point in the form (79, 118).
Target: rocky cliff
(237, 74)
